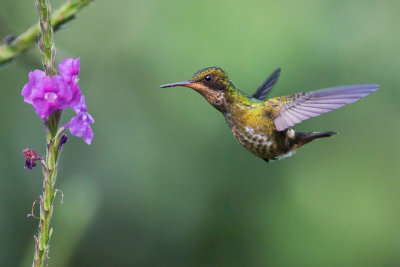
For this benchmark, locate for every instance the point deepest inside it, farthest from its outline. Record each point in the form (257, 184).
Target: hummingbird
(262, 124)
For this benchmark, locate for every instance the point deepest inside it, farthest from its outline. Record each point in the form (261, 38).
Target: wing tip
(264, 89)
(375, 87)
(370, 86)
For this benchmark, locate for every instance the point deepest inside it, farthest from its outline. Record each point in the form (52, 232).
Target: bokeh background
(165, 183)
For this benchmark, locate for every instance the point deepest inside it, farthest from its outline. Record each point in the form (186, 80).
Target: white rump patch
(290, 153)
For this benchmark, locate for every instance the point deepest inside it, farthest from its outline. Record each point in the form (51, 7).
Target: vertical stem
(47, 47)
(46, 42)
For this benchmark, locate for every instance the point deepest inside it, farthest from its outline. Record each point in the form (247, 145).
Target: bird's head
(212, 83)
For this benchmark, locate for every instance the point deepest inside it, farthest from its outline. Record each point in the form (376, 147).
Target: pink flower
(46, 94)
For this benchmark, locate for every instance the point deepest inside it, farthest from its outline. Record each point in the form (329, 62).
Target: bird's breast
(255, 138)
(256, 132)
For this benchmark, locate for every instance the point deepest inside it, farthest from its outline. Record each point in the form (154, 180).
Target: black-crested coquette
(261, 124)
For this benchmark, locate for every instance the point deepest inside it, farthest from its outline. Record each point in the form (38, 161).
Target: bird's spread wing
(264, 89)
(302, 106)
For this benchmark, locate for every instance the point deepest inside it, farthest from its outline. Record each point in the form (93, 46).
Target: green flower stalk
(47, 47)
(50, 93)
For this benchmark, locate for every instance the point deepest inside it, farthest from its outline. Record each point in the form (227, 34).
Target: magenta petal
(42, 108)
(80, 126)
(88, 136)
(63, 90)
(76, 126)
(68, 94)
(69, 70)
(76, 95)
(34, 78)
(90, 118)
(81, 106)
(40, 88)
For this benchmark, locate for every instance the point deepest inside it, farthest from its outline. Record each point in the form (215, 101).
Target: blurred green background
(165, 183)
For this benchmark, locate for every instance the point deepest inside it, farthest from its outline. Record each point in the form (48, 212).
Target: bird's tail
(304, 138)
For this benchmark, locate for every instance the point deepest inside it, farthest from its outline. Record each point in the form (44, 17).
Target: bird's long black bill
(183, 83)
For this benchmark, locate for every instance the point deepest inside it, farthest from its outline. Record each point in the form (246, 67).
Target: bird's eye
(207, 78)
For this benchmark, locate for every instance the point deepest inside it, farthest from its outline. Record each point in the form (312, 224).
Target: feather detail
(265, 88)
(311, 104)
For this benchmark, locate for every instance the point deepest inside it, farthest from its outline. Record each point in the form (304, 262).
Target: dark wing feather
(264, 89)
(303, 106)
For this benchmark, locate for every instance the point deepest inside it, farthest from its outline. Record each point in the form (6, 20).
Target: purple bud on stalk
(63, 140)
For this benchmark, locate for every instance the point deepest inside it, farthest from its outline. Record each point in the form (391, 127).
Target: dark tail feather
(304, 138)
